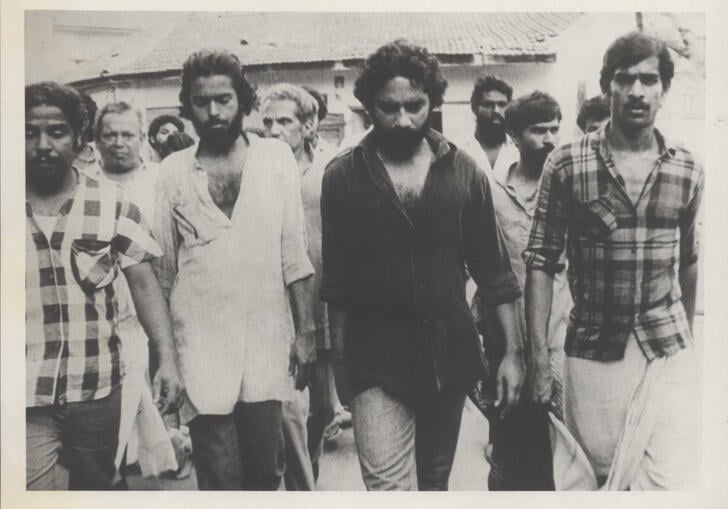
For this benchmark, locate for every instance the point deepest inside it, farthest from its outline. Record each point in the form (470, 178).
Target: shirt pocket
(92, 264)
(596, 218)
(193, 225)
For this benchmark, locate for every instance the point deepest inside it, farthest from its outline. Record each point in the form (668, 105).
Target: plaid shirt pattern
(623, 257)
(71, 343)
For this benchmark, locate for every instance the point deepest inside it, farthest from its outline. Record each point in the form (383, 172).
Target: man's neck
(208, 151)
(639, 140)
(304, 156)
(487, 143)
(121, 176)
(526, 170)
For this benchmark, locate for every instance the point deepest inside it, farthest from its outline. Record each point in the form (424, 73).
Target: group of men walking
(258, 269)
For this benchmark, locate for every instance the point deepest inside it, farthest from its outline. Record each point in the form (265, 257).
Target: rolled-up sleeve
(332, 252)
(689, 244)
(486, 253)
(548, 232)
(294, 255)
(163, 227)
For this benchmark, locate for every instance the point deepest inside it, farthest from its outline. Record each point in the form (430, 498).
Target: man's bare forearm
(508, 316)
(689, 287)
(539, 292)
(152, 310)
(302, 302)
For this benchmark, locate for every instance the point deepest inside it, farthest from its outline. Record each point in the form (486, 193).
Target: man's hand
(510, 381)
(167, 388)
(302, 359)
(542, 381)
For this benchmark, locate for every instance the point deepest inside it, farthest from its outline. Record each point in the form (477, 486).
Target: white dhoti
(637, 422)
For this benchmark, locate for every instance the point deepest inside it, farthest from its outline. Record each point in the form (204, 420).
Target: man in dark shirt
(403, 213)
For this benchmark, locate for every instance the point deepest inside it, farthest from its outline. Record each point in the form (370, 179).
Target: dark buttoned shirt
(400, 273)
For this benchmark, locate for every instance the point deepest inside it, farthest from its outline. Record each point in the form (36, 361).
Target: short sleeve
(133, 240)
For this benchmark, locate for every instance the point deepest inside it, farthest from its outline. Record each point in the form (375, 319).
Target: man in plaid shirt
(623, 201)
(79, 232)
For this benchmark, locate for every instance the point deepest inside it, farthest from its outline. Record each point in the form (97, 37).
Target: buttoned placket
(48, 248)
(635, 209)
(380, 178)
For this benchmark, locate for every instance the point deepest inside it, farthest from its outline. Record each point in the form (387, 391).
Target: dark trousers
(73, 446)
(521, 458)
(239, 451)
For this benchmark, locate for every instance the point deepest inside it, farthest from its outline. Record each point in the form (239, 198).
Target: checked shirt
(623, 257)
(71, 343)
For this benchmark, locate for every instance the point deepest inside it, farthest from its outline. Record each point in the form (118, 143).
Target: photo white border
(12, 259)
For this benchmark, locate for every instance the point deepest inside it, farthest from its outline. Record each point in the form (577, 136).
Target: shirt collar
(599, 141)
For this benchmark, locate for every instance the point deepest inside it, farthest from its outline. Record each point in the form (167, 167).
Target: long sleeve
(485, 248)
(548, 232)
(294, 256)
(688, 220)
(332, 284)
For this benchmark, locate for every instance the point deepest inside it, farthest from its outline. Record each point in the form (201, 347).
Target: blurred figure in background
(593, 113)
(88, 155)
(159, 130)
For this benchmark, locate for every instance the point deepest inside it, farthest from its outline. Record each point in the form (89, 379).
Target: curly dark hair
(486, 84)
(67, 99)
(632, 48)
(596, 108)
(530, 109)
(211, 63)
(156, 124)
(400, 58)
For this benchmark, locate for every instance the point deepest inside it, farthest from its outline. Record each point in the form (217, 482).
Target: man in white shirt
(230, 221)
(490, 146)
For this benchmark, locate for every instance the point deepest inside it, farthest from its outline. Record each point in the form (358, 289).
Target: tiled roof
(279, 38)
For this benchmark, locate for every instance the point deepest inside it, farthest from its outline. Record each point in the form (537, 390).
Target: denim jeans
(407, 445)
(73, 446)
(239, 451)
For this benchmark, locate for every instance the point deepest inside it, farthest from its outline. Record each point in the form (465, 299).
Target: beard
(45, 176)
(400, 143)
(491, 132)
(219, 135)
(537, 158)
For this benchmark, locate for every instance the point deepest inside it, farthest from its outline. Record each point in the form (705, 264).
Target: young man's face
(537, 141)
(489, 115)
(400, 116)
(120, 141)
(215, 110)
(164, 132)
(280, 121)
(636, 94)
(50, 148)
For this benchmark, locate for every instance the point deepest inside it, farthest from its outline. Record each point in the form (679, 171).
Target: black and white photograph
(351, 251)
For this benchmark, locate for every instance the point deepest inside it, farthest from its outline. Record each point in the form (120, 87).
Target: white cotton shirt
(228, 278)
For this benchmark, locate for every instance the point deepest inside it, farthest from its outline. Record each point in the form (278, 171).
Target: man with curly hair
(230, 221)
(403, 213)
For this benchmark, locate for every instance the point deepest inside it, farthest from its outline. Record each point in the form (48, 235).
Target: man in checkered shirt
(79, 232)
(623, 201)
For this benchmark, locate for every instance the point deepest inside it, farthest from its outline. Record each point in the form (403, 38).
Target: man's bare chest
(223, 185)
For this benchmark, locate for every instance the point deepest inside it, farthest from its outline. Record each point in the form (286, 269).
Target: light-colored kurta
(227, 278)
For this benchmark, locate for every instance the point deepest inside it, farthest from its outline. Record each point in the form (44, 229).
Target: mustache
(216, 123)
(46, 160)
(636, 104)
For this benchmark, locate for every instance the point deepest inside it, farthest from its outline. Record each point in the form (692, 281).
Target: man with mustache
(490, 145)
(403, 212)
(520, 457)
(623, 202)
(235, 269)
(79, 232)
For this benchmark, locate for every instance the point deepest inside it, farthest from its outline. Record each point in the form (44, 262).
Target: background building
(137, 56)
